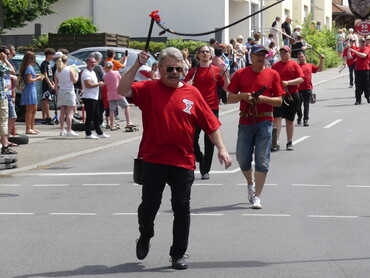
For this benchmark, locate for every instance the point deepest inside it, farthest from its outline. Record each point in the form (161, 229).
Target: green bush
(323, 42)
(42, 42)
(179, 43)
(77, 25)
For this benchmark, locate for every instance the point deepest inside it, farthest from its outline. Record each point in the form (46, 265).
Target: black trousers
(205, 160)
(180, 180)
(362, 84)
(351, 70)
(304, 97)
(92, 115)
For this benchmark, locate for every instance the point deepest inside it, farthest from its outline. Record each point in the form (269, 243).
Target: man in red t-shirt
(291, 76)
(362, 72)
(349, 59)
(305, 88)
(256, 118)
(206, 77)
(171, 111)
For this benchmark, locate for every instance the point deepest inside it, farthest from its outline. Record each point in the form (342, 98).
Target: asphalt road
(77, 218)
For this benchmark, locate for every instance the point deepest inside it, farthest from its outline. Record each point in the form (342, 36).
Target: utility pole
(1, 16)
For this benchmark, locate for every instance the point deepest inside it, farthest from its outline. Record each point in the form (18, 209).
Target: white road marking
(207, 214)
(73, 213)
(51, 185)
(358, 186)
(17, 213)
(10, 185)
(311, 185)
(333, 123)
(208, 184)
(111, 173)
(334, 216)
(100, 184)
(267, 215)
(269, 184)
(300, 140)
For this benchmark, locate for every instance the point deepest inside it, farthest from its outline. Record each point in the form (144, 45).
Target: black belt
(244, 114)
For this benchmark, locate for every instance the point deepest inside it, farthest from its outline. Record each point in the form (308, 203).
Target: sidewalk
(48, 147)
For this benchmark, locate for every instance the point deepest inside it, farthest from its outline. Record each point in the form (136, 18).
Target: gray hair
(96, 55)
(170, 52)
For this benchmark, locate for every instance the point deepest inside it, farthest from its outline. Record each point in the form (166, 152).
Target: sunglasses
(171, 69)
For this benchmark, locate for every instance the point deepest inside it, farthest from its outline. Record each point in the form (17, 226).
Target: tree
(18, 12)
(77, 25)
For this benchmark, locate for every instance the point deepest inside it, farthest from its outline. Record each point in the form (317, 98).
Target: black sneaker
(357, 103)
(305, 123)
(142, 247)
(299, 121)
(179, 263)
(289, 146)
(205, 176)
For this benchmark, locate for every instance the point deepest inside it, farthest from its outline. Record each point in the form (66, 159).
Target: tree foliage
(77, 25)
(17, 13)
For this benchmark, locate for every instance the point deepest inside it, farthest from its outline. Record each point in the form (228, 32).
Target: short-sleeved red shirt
(350, 62)
(363, 63)
(207, 80)
(288, 71)
(170, 117)
(308, 70)
(247, 81)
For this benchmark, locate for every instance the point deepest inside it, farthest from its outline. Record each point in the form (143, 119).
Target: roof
(341, 10)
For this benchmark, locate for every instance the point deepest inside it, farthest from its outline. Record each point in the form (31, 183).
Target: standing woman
(339, 38)
(29, 94)
(65, 77)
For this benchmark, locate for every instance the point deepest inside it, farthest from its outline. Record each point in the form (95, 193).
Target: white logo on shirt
(189, 105)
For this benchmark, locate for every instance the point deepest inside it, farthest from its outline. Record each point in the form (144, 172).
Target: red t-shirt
(170, 117)
(288, 71)
(363, 63)
(308, 70)
(350, 62)
(247, 81)
(207, 80)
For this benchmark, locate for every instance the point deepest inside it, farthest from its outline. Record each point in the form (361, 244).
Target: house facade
(131, 17)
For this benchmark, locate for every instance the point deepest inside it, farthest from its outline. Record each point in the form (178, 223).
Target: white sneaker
(256, 203)
(92, 136)
(251, 190)
(62, 133)
(72, 133)
(103, 135)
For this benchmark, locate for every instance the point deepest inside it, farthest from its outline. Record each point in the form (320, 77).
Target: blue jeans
(286, 42)
(255, 139)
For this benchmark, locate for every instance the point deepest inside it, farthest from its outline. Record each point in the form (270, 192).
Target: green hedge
(178, 43)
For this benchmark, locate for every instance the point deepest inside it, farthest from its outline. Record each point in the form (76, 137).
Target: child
(47, 85)
(111, 80)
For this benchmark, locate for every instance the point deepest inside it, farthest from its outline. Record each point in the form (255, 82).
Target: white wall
(66, 8)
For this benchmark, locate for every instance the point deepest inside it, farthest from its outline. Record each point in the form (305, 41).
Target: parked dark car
(17, 59)
(142, 74)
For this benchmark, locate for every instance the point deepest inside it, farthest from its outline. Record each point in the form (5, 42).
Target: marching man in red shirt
(362, 72)
(171, 112)
(256, 118)
(305, 88)
(206, 78)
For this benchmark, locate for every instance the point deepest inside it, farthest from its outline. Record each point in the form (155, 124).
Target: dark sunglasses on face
(171, 69)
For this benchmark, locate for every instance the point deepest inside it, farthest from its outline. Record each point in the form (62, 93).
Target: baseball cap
(109, 64)
(250, 39)
(257, 48)
(299, 26)
(240, 37)
(58, 54)
(285, 47)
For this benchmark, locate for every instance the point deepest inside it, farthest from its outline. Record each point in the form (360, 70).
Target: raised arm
(124, 86)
